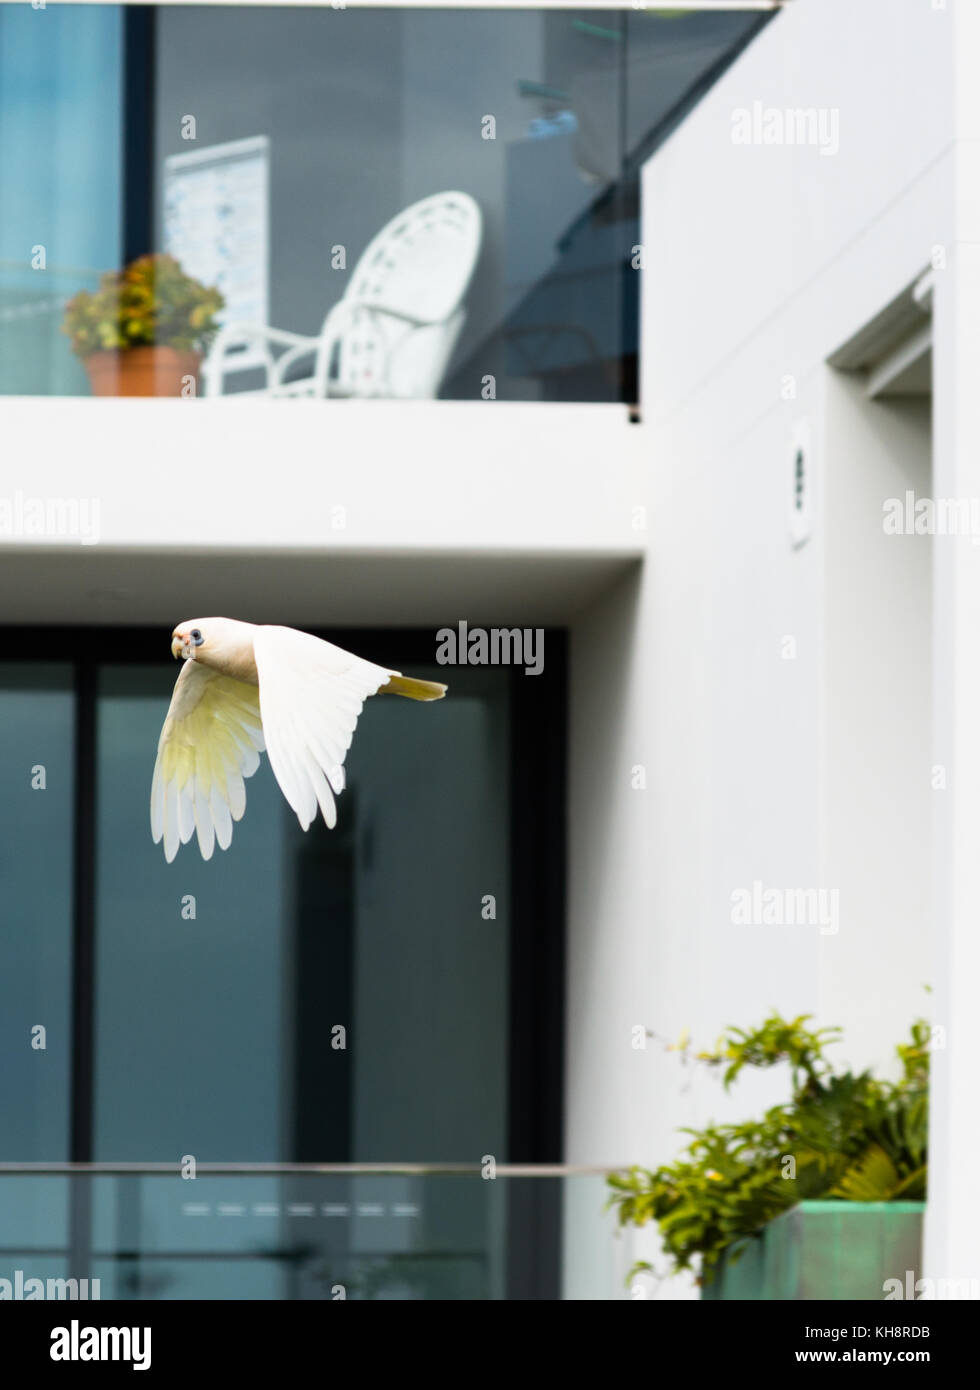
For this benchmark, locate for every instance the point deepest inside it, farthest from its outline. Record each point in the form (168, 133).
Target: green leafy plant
(841, 1135)
(150, 303)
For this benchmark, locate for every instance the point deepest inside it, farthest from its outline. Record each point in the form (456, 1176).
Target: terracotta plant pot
(142, 371)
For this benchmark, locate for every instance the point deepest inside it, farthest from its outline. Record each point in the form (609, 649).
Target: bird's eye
(196, 636)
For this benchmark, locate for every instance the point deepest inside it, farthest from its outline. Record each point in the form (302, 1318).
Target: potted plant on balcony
(820, 1198)
(145, 330)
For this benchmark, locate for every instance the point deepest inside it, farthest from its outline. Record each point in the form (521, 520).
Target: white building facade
(768, 688)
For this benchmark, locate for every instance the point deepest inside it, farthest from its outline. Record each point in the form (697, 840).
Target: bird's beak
(178, 645)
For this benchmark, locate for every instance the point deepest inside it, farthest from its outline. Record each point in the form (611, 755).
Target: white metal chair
(393, 332)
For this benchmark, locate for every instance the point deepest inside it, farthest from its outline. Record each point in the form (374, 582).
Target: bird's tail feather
(413, 689)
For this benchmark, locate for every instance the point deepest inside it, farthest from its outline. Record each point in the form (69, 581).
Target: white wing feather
(311, 694)
(210, 742)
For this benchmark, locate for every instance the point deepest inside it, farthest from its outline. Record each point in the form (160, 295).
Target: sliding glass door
(353, 996)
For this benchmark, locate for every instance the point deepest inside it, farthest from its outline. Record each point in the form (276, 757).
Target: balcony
(311, 1232)
(458, 230)
(362, 510)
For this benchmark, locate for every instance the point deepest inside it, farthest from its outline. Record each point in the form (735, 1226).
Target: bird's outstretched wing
(311, 694)
(210, 742)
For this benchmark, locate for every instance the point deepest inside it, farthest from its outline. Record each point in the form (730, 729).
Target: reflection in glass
(37, 749)
(322, 1236)
(285, 146)
(60, 192)
(329, 996)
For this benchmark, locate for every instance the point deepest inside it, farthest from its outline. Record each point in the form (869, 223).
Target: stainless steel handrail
(501, 1170)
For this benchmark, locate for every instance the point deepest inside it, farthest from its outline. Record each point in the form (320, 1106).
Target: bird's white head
(188, 638)
(222, 643)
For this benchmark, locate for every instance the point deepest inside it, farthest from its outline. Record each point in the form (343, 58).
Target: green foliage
(150, 303)
(842, 1135)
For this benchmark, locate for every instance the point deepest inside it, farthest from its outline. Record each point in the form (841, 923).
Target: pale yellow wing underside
(210, 742)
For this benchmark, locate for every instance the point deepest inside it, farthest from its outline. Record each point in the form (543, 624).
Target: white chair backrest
(419, 264)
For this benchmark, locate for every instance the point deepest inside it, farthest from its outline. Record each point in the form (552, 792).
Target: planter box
(825, 1250)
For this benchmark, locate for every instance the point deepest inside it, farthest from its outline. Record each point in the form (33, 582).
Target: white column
(953, 1216)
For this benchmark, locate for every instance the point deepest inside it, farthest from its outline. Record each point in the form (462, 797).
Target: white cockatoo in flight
(244, 689)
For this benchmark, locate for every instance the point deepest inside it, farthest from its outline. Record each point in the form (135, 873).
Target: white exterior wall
(761, 261)
(953, 1214)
